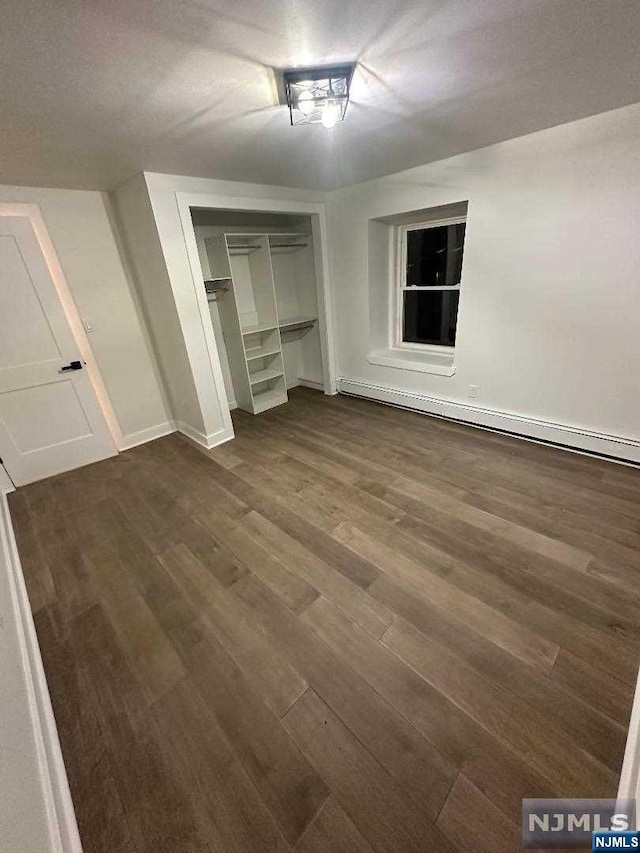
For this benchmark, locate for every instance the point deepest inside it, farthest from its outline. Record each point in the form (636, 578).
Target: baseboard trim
(133, 439)
(311, 383)
(60, 815)
(207, 441)
(616, 448)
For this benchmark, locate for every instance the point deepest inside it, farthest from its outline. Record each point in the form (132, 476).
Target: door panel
(58, 403)
(50, 421)
(20, 309)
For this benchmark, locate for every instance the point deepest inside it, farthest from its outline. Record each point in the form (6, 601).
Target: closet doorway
(259, 277)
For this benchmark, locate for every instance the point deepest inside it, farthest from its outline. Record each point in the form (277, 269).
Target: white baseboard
(571, 437)
(133, 439)
(306, 383)
(311, 383)
(207, 441)
(50, 778)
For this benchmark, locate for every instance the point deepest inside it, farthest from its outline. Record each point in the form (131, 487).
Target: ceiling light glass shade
(317, 95)
(330, 114)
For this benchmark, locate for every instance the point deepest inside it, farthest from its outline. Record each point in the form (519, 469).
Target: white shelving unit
(248, 318)
(263, 287)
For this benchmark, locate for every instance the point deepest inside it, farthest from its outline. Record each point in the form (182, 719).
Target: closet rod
(238, 246)
(288, 245)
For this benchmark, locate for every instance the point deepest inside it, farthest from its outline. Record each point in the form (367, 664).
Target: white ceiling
(93, 91)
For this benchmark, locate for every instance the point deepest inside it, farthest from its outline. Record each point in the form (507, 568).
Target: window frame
(399, 285)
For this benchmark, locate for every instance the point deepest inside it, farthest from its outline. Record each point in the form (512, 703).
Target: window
(430, 272)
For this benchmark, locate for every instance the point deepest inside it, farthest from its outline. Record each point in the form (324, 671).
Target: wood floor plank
(509, 530)
(333, 830)
(419, 768)
(600, 689)
(236, 536)
(587, 631)
(373, 616)
(509, 591)
(506, 633)
(472, 822)
(158, 813)
(73, 580)
(371, 798)
(287, 783)
(456, 734)
(552, 523)
(32, 554)
(226, 803)
(323, 545)
(164, 513)
(596, 732)
(575, 593)
(548, 750)
(150, 654)
(91, 771)
(270, 675)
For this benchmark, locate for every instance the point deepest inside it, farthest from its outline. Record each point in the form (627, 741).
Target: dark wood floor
(353, 628)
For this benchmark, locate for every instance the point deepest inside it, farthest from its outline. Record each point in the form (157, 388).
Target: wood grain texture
(353, 628)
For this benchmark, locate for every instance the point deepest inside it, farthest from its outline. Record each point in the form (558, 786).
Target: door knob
(73, 365)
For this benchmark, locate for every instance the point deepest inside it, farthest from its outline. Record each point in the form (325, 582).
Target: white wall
(549, 321)
(79, 225)
(140, 237)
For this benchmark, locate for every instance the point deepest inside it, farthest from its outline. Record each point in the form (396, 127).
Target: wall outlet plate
(473, 390)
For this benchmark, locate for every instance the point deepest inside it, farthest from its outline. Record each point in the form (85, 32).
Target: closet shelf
(293, 324)
(286, 248)
(261, 327)
(268, 399)
(264, 375)
(261, 352)
(243, 250)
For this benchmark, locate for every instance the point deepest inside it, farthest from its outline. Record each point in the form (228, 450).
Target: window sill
(441, 365)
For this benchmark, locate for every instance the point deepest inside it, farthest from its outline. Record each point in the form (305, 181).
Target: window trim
(398, 286)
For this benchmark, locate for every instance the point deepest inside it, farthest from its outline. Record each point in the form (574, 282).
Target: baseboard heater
(379, 394)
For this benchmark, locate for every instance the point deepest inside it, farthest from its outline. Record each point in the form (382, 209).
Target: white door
(50, 419)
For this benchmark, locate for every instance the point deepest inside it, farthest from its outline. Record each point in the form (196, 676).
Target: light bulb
(306, 104)
(330, 114)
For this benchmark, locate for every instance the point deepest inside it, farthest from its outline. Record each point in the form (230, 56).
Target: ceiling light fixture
(317, 95)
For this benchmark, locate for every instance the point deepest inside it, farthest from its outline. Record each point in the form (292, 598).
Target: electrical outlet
(473, 390)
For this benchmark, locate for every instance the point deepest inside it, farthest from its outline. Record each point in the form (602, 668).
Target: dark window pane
(430, 317)
(434, 255)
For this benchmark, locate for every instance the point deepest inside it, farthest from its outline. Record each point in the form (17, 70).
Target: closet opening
(259, 278)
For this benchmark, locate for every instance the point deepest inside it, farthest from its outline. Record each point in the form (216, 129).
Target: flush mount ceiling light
(317, 95)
